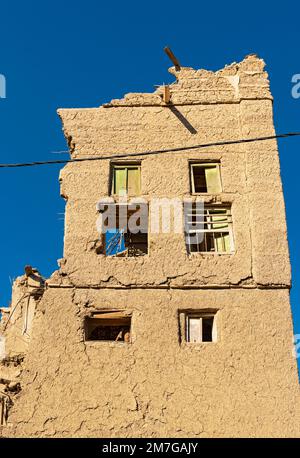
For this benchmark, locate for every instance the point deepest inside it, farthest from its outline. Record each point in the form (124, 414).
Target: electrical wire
(149, 153)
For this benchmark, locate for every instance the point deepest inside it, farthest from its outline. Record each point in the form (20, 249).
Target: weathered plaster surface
(17, 322)
(245, 384)
(250, 177)
(15, 331)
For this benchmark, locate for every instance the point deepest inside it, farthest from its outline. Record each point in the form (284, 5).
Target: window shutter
(227, 243)
(213, 183)
(222, 241)
(120, 181)
(219, 221)
(214, 330)
(194, 329)
(134, 181)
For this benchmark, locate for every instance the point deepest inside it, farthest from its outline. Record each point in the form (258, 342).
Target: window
(209, 230)
(126, 230)
(197, 327)
(200, 328)
(205, 178)
(109, 326)
(126, 179)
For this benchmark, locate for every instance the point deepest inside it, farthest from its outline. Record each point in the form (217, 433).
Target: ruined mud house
(162, 332)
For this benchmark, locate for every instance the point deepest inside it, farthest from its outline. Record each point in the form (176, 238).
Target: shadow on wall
(183, 120)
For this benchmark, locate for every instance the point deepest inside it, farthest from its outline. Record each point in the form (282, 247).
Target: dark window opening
(136, 244)
(199, 179)
(207, 329)
(108, 326)
(205, 178)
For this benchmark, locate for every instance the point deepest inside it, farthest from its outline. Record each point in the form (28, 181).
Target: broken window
(126, 230)
(200, 327)
(126, 179)
(108, 326)
(205, 178)
(209, 230)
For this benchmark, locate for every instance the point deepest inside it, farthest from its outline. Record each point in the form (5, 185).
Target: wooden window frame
(185, 316)
(127, 166)
(193, 165)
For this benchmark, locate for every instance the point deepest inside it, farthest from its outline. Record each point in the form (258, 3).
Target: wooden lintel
(111, 315)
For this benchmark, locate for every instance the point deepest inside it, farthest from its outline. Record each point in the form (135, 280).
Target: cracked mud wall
(16, 324)
(246, 383)
(15, 330)
(250, 176)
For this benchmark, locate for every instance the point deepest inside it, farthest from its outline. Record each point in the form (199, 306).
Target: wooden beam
(166, 94)
(173, 58)
(110, 315)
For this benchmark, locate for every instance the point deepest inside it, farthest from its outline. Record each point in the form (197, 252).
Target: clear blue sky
(84, 53)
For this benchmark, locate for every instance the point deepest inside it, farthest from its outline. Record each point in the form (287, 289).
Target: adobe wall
(15, 332)
(16, 323)
(231, 104)
(245, 384)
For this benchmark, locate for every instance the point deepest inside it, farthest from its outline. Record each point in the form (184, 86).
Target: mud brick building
(179, 333)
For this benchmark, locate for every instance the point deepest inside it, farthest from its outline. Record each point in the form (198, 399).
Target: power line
(149, 153)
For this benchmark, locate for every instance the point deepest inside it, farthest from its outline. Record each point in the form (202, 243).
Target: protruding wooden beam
(173, 58)
(166, 94)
